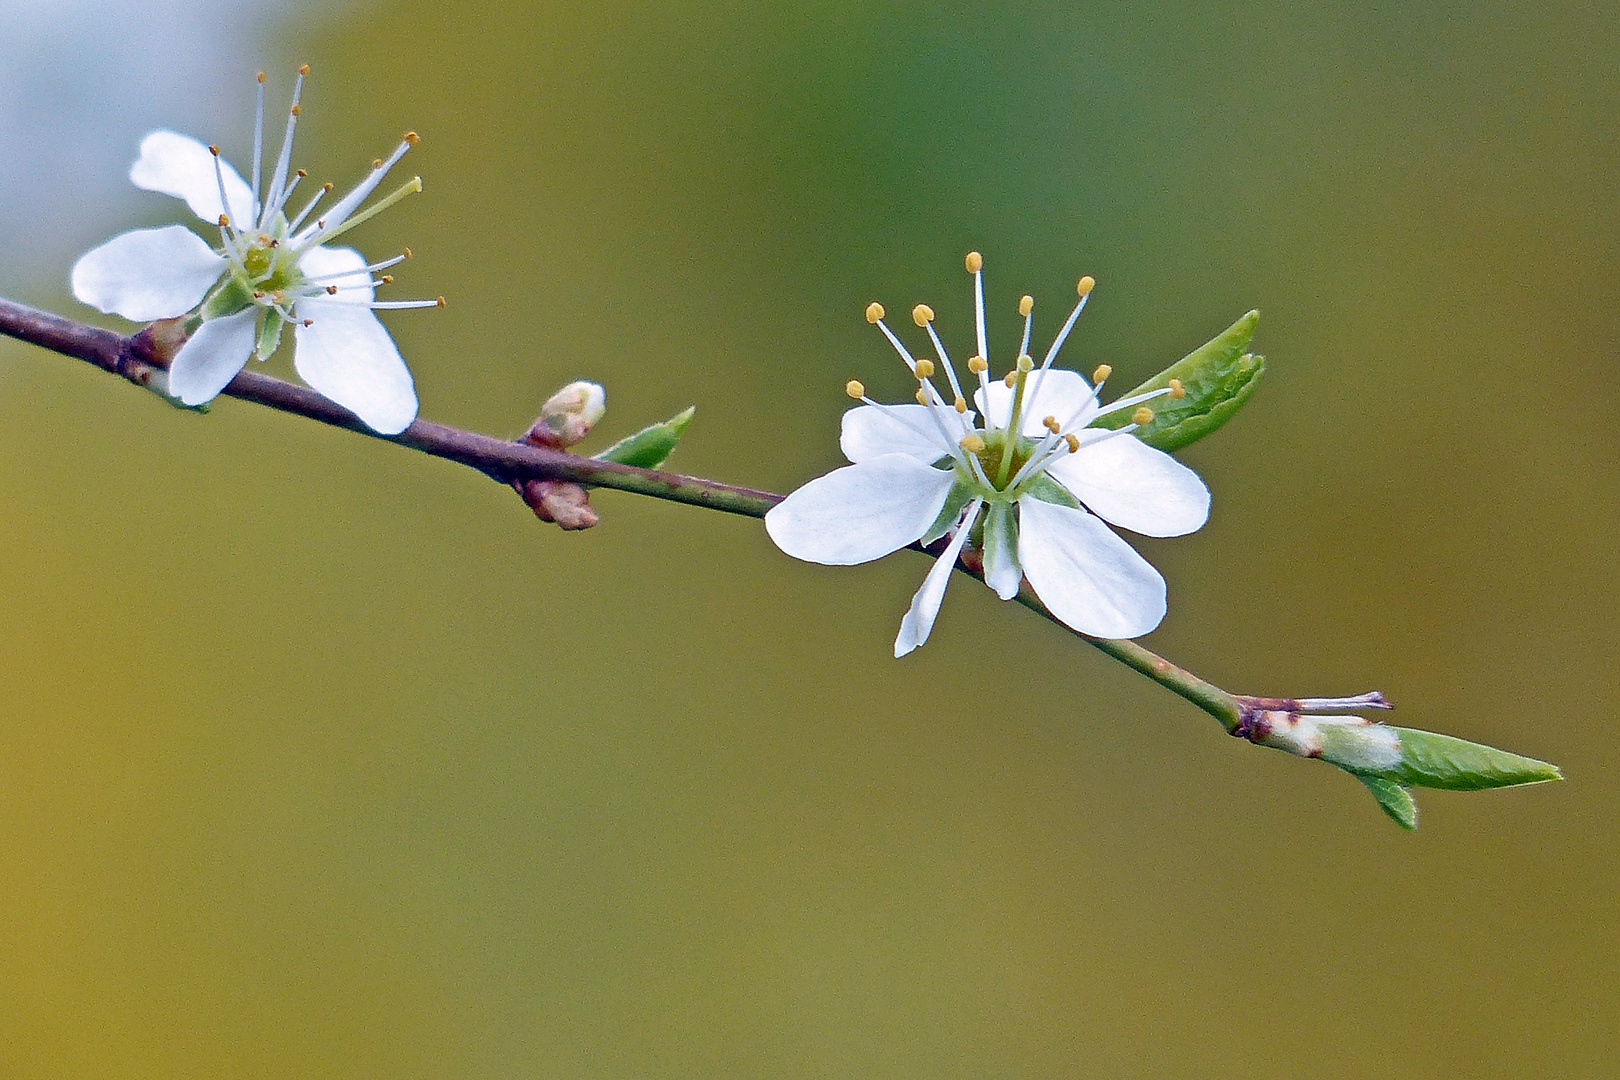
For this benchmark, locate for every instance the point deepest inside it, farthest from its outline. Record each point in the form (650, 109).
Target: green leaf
(1218, 378)
(650, 447)
(1440, 761)
(1394, 800)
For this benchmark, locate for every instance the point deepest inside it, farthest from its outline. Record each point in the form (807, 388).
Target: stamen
(339, 214)
(977, 365)
(258, 139)
(1051, 424)
(386, 279)
(922, 396)
(1026, 304)
(924, 369)
(1142, 416)
(400, 305)
(331, 290)
(1073, 441)
(412, 137)
(972, 443)
(1177, 391)
(1010, 378)
(1100, 374)
(975, 264)
(1084, 289)
(326, 189)
(922, 315)
(219, 179)
(1087, 283)
(855, 389)
(275, 198)
(874, 312)
(961, 404)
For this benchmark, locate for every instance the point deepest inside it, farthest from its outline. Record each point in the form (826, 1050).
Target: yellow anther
(224, 220)
(302, 173)
(874, 312)
(1100, 375)
(971, 443)
(977, 365)
(303, 69)
(309, 323)
(1026, 305)
(265, 239)
(214, 150)
(1026, 364)
(406, 252)
(1051, 424)
(376, 163)
(1177, 390)
(922, 396)
(439, 302)
(298, 110)
(412, 138)
(855, 389)
(331, 290)
(327, 189)
(1073, 440)
(1010, 378)
(961, 403)
(261, 78)
(1143, 415)
(924, 369)
(1087, 283)
(388, 279)
(975, 262)
(922, 314)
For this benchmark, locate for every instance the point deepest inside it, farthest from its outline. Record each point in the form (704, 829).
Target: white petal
(346, 354)
(213, 356)
(860, 512)
(181, 166)
(1001, 570)
(1085, 575)
(919, 619)
(148, 274)
(1122, 479)
(1065, 395)
(870, 432)
(324, 262)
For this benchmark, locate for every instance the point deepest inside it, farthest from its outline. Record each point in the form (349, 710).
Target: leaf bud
(568, 416)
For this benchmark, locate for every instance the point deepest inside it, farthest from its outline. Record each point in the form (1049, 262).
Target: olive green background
(319, 758)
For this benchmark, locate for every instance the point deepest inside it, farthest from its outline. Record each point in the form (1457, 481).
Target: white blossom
(1023, 473)
(271, 268)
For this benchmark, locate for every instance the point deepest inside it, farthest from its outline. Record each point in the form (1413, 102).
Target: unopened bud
(564, 504)
(568, 416)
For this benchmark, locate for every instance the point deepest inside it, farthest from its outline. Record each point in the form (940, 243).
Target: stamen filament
(273, 198)
(258, 139)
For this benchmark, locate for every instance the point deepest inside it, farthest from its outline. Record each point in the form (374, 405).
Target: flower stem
(139, 357)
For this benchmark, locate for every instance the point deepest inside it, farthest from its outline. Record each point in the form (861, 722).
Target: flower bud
(564, 504)
(568, 416)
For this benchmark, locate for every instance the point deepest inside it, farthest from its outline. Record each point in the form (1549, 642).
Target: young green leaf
(1217, 378)
(1394, 800)
(650, 447)
(1440, 761)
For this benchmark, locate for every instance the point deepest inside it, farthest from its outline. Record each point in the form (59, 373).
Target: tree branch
(140, 358)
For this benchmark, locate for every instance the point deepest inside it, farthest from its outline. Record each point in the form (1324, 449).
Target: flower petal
(211, 358)
(181, 166)
(346, 354)
(860, 512)
(869, 432)
(1064, 394)
(1001, 570)
(328, 262)
(1122, 479)
(148, 274)
(919, 618)
(1085, 575)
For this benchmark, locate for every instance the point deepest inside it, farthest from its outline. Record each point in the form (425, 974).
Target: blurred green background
(321, 758)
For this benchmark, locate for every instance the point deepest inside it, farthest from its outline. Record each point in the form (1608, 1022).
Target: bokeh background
(321, 758)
